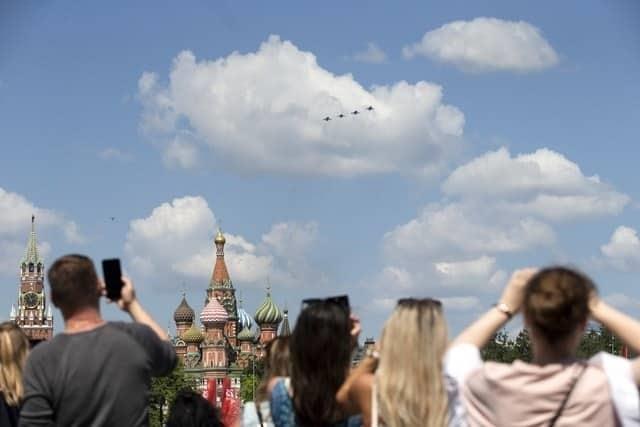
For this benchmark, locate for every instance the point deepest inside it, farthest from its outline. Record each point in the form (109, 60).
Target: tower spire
(220, 276)
(31, 254)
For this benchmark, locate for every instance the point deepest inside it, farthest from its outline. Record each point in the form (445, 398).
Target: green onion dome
(184, 313)
(192, 335)
(268, 312)
(246, 335)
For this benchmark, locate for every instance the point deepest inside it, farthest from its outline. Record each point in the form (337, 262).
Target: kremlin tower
(33, 313)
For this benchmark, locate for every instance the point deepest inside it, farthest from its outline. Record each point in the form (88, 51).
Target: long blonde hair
(14, 347)
(409, 380)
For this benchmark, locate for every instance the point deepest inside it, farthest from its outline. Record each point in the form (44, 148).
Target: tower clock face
(31, 299)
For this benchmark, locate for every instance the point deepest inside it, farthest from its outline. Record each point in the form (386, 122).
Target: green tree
(599, 339)
(521, 349)
(498, 349)
(252, 377)
(164, 390)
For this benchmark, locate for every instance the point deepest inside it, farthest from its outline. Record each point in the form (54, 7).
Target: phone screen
(112, 278)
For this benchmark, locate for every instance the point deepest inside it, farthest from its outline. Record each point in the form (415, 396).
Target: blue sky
(519, 148)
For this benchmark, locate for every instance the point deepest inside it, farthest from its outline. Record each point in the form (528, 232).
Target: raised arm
(354, 395)
(129, 302)
(480, 331)
(624, 327)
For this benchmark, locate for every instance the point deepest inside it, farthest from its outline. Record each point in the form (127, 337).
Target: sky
(502, 135)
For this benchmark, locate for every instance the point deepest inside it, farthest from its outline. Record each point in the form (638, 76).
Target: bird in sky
(326, 119)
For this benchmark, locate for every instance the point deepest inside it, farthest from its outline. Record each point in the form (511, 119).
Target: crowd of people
(98, 373)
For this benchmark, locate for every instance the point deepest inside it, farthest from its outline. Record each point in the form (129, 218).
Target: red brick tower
(34, 314)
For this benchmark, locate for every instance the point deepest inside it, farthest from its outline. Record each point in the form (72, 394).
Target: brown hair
(276, 364)
(14, 347)
(74, 284)
(556, 302)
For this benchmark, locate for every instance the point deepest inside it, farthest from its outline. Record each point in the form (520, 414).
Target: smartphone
(112, 278)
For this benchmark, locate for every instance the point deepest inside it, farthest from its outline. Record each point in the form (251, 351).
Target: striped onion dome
(192, 335)
(246, 335)
(244, 319)
(268, 312)
(184, 313)
(214, 312)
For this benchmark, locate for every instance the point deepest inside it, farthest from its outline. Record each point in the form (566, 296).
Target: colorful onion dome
(268, 312)
(193, 335)
(246, 335)
(184, 313)
(214, 312)
(244, 319)
(220, 237)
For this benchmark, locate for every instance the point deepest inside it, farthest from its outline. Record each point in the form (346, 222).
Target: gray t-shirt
(95, 378)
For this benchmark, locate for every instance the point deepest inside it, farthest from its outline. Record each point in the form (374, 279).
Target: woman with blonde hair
(14, 347)
(403, 385)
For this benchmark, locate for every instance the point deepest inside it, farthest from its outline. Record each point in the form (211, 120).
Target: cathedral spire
(31, 255)
(220, 276)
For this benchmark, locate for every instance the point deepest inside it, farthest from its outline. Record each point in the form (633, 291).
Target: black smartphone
(112, 278)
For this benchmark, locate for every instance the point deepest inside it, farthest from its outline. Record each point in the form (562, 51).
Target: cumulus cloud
(262, 111)
(460, 303)
(544, 183)
(486, 44)
(15, 223)
(175, 243)
(623, 249)
(498, 204)
(112, 153)
(373, 54)
(479, 270)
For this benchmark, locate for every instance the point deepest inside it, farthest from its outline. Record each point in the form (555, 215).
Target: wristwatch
(504, 308)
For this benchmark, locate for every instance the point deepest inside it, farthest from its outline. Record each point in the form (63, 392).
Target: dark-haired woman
(556, 388)
(320, 352)
(190, 409)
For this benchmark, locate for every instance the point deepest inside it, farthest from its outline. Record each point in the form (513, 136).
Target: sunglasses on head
(340, 300)
(412, 302)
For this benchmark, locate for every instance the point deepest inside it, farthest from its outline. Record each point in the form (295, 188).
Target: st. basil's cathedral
(225, 344)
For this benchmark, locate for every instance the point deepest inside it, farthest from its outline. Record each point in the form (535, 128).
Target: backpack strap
(574, 380)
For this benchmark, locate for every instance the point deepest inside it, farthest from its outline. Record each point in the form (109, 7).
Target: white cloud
(262, 111)
(486, 44)
(175, 242)
(622, 301)
(494, 205)
(464, 228)
(291, 239)
(460, 303)
(623, 249)
(15, 223)
(544, 183)
(469, 272)
(112, 153)
(372, 54)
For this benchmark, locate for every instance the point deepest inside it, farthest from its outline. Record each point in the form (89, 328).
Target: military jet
(326, 119)
(370, 108)
(341, 115)
(354, 112)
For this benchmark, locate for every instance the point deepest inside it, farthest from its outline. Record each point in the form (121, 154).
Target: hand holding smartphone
(112, 278)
